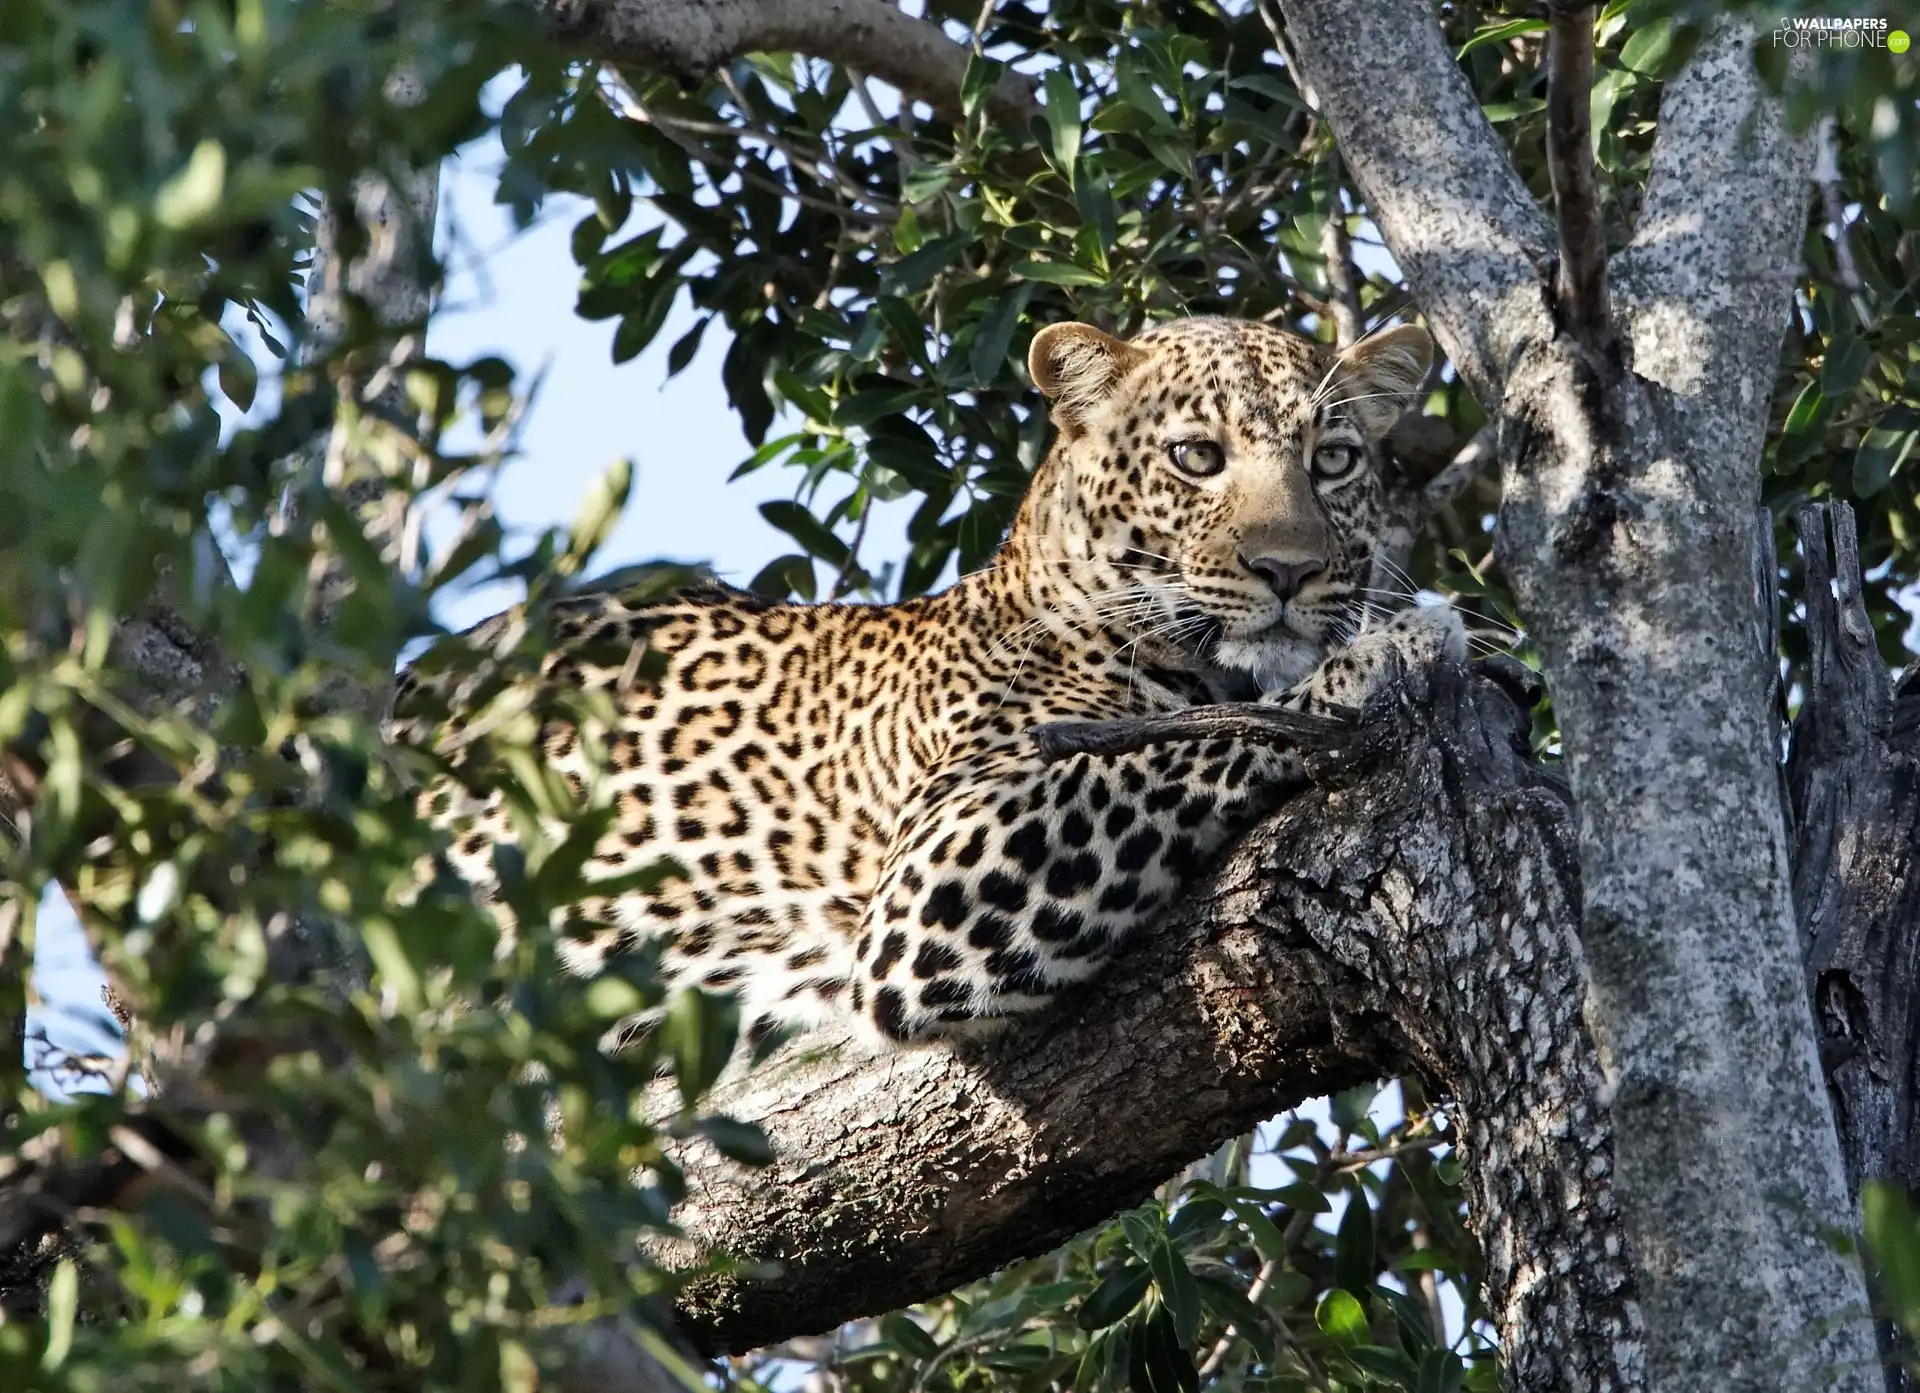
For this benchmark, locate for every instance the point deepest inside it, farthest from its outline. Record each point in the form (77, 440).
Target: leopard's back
(767, 749)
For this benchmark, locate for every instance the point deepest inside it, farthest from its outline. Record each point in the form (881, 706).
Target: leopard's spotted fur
(866, 826)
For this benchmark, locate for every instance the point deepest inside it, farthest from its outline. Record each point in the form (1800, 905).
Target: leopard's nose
(1284, 578)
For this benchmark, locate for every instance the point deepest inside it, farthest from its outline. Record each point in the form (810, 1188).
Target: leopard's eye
(1335, 460)
(1199, 458)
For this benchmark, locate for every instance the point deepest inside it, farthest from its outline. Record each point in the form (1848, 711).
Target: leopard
(868, 835)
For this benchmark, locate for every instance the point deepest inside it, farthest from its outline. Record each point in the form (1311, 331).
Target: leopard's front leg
(1010, 877)
(1349, 677)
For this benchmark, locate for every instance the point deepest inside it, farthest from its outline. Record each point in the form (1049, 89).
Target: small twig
(1826, 175)
(1458, 473)
(1337, 252)
(1341, 1162)
(885, 129)
(1580, 285)
(980, 25)
(852, 567)
(1270, 18)
(1270, 725)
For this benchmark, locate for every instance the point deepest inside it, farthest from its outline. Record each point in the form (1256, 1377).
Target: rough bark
(1461, 225)
(1853, 776)
(873, 36)
(1417, 913)
(1631, 474)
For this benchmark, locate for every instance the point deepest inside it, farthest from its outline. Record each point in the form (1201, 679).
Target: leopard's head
(1211, 482)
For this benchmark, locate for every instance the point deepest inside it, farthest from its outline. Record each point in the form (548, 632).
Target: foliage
(880, 279)
(410, 1167)
(358, 1194)
(1318, 1259)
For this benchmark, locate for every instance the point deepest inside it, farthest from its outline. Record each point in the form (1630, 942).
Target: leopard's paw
(1351, 677)
(1426, 635)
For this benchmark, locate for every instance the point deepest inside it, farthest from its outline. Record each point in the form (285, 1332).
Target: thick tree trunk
(1632, 468)
(1417, 914)
(1853, 778)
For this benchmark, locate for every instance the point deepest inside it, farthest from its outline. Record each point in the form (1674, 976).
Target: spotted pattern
(867, 830)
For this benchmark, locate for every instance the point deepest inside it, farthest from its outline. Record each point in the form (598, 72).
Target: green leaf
(1441, 1372)
(1883, 450)
(1196, 1218)
(1288, 1289)
(909, 1335)
(1177, 1289)
(1063, 119)
(698, 1033)
(807, 530)
(1055, 273)
(1495, 33)
(192, 195)
(910, 453)
(919, 185)
(1646, 48)
(994, 336)
(1267, 1238)
(1158, 1362)
(1607, 90)
(1845, 364)
(911, 273)
(1118, 1293)
(782, 576)
(1298, 1133)
(1274, 86)
(391, 963)
(599, 512)
(1498, 112)
(1342, 1317)
(239, 379)
(1416, 1331)
(684, 347)
(1304, 1198)
(1808, 409)
(1350, 1106)
(867, 406)
(613, 998)
(639, 329)
(1353, 1247)
(1116, 118)
(1390, 1366)
(976, 85)
(1892, 1233)
(63, 1301)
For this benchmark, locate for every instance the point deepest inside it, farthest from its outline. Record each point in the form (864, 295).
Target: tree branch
(1702, 289)
(1436, 177)
(1418, 914)
(1343, 296)
(1580, 283)
(1625, 526)
(690, 41)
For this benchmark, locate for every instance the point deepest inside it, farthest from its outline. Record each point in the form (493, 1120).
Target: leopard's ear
(1075, 365)
(1373, 383)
